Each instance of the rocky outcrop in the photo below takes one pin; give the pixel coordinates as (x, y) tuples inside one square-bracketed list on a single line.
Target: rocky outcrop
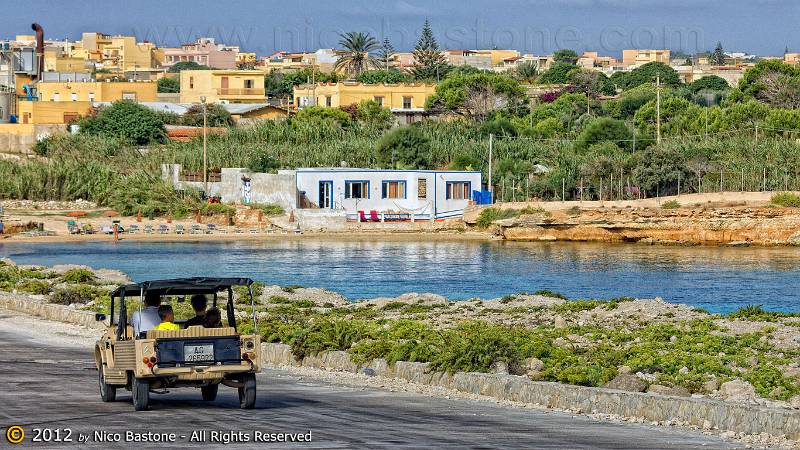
[(627, 382), (741, 226)]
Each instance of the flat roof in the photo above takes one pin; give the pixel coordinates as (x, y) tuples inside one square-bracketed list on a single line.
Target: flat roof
[(356, 169)]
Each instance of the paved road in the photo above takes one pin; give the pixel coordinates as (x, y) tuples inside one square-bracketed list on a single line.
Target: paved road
[(55, 387)]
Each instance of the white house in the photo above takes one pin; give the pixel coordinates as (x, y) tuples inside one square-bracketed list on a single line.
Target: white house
[(372, 194)]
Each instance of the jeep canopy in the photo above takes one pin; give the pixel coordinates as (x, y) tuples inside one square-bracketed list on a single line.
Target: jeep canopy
[(181, 286)]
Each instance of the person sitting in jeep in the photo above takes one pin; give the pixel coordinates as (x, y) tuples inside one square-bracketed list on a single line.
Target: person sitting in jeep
[(213, 318), (199, 304), (147, 319), (167, 318)]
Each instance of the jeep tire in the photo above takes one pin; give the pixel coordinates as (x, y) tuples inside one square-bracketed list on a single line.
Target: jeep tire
[(107, 392), (210, 392), (140, 390), (247, 393)]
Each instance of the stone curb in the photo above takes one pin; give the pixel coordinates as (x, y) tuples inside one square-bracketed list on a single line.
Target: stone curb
[(58, 313), (699, 412)]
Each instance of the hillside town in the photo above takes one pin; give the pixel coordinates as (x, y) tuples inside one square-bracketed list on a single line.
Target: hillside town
[(47, 83)]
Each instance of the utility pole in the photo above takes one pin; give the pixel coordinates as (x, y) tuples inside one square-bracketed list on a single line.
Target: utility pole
[(658, 109), (491, 190), (205, 146), (314, 84)]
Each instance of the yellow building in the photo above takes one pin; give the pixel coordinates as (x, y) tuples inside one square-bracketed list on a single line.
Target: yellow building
[(397, 97), (56, 60), (640, 57), (96, 91), (222, 86), (792, 58), (121, 53), (51, 113), (246, 58)]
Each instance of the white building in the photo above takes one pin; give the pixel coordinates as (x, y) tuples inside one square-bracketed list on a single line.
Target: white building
[(371, 194)]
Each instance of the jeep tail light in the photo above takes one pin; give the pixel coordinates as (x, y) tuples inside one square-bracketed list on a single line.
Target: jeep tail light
[(152, 360), (145, 360), (149, 365), (246, 356)]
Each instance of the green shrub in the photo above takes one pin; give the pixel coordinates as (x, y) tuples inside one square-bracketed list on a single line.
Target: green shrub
[(34, 287), (574, 211), (786, 199), (672, 204), (489, 215), (392, 306), (291, 288), (549, 293), (770, 382), (80, 293), (577, 305), (269, 209), (77, 276)]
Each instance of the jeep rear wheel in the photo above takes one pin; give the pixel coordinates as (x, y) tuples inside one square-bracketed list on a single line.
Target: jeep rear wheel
[(210, 392), (140, 390), (107, 393), (247, 393)]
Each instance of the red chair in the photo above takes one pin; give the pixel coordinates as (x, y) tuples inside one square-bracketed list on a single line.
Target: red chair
[(361, 216), (373, 216)]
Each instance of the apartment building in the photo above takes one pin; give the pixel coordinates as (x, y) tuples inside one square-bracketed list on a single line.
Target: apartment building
[(204, 51), (222, 86), (118, 53), (95, 91), (638, 57), (396, 97)]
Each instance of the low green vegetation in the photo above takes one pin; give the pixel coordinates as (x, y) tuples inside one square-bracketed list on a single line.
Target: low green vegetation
[(78, 275), (671, 204), (786, 199), (684, 353), (269, 209), (79, 294), (757, 312), (549, 293)]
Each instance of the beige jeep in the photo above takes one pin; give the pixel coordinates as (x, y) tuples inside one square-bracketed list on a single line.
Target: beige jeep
[(199, 357)]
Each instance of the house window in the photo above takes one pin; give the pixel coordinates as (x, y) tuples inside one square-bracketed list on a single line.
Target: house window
[(422, 188), (191, 82), (74, 96), (458, 190), (248, 84), (328, 101), (356, 189), (129, 96), (407, 103), (394, 189), (56, 97), (378, 99), (91, 96)]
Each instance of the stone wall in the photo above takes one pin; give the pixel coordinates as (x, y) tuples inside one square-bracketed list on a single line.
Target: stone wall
[(279, 188), (47, 311), (699, 412)]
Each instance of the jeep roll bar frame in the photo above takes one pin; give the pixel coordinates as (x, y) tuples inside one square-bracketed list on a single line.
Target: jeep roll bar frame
[(182, 286)]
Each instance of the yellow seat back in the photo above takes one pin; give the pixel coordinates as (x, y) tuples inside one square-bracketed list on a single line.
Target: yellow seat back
[(195, 331)]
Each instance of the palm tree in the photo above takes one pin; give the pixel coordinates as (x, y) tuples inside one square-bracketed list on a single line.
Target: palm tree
[(355, 59)]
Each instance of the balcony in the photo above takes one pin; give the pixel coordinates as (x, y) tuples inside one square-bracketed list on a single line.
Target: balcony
[(241, 93)]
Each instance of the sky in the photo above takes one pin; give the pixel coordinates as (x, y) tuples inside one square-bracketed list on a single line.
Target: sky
[(764, 27)]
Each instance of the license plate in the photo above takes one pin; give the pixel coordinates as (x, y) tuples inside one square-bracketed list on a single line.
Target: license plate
[(198, 352)]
